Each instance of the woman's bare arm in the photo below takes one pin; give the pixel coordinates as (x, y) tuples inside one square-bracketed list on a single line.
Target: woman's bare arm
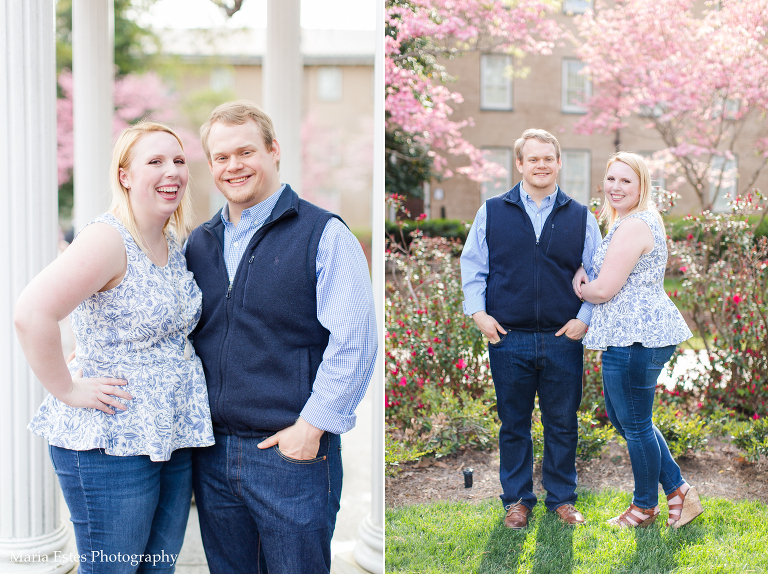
[(632, 239), (96, 260)]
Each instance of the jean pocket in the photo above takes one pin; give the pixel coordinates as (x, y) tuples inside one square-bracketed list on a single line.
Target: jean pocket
[(296, 460), (661, 356), (499, 342)]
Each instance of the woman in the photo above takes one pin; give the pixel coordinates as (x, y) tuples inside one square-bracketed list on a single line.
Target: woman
[(121, 419), (637, 327)]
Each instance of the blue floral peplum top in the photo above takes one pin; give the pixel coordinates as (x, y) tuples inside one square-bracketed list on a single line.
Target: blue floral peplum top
[(641, 312), (137, 331)]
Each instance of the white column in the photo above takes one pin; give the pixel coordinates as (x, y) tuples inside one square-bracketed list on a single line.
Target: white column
[(428, 200), (30, 530), (369, 551), (93, 63), (282, 73)]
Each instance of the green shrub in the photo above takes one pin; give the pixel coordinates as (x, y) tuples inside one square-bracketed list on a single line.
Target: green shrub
[(725, 279), (397, 452), (451, 229), (448, 423), (592, 399), (683, 432), (593, 436), (752, 438)]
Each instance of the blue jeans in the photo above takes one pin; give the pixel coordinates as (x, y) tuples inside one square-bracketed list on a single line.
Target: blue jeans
[(260, 503), (523, 365), (129, 513), (629, 384)]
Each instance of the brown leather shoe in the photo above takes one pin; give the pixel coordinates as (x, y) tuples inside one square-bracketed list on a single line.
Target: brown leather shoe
[(517, 516), (569, 514)]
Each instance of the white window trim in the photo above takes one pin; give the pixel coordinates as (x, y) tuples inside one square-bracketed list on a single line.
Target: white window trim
[(337, 70), (720, 203), (584, 195), (486, 191), (565, 106), (509, 104)]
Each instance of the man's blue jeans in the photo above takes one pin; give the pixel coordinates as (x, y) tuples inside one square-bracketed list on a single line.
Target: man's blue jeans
[(129, 513), (523, 365), (629, 384), (262, 512)]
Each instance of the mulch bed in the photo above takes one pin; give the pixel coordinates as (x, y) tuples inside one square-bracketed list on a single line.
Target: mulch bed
[(718, 471)]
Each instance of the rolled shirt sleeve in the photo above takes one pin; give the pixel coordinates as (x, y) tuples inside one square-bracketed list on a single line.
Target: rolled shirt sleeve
[(345, 307), (475, 265), (592, 240)]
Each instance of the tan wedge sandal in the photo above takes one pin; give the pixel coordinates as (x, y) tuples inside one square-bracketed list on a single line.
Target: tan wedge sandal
[(684, 505), (635, 517)]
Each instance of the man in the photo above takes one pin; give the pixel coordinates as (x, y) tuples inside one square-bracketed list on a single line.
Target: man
[(287, 338), (517, 264)]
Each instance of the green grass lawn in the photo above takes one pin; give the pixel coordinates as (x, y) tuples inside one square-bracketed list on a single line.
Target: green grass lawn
[(461, 537)]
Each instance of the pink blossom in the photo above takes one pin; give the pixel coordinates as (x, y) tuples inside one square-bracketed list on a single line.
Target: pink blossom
[(403, 381), (755, 416), (461, 364), (430, 351), (737, 299)]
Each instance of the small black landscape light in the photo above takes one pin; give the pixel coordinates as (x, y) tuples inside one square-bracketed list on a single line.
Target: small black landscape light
[(467, 478)]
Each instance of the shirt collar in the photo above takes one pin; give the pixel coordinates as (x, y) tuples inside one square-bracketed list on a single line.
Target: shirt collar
[(259, 211), (546, 202)]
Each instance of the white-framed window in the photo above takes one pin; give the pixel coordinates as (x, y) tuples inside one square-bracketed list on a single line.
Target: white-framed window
[(576, 6), (655, 112), (495, 82), (503, 157), (222, 79), (576, 87), (728, 108), (329, 83), (575, 174), (723, 179)]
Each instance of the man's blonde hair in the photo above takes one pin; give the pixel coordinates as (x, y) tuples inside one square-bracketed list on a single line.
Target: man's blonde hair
[(541, 135), (236, 114), (182, 219)]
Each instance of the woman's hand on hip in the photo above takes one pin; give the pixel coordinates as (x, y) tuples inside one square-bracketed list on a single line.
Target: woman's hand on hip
[(96, 393)]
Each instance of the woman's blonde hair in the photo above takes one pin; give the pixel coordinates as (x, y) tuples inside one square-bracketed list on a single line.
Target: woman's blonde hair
[(645, 203), (181, 222)]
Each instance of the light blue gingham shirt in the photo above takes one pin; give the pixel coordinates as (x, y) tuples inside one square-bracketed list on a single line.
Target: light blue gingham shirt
[(475, 260), (344, 307)]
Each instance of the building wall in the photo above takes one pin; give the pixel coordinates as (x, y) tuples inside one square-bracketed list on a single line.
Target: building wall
[(537, 102)]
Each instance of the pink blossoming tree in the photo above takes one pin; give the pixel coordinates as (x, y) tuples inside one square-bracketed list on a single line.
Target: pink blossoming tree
[(420, 33), (136, 96), (697, 78)]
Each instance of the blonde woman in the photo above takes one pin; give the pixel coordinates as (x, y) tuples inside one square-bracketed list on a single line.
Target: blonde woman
[(121, 418), (637, 327)]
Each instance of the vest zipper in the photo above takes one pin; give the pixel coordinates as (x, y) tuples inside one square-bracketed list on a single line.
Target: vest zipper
[(229, 289)]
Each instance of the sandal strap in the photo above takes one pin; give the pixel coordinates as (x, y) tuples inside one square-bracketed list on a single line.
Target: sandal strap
[(634, 515)]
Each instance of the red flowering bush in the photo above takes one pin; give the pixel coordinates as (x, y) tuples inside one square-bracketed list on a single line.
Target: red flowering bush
[(725, 272), (436, 359)]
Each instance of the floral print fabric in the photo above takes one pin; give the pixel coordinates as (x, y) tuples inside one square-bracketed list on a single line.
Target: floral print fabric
[(137, 331), (641, 312)]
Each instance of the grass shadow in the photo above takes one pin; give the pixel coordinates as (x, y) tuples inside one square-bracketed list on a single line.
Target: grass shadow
[(504, 548), (657, 548), (554, 546)]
